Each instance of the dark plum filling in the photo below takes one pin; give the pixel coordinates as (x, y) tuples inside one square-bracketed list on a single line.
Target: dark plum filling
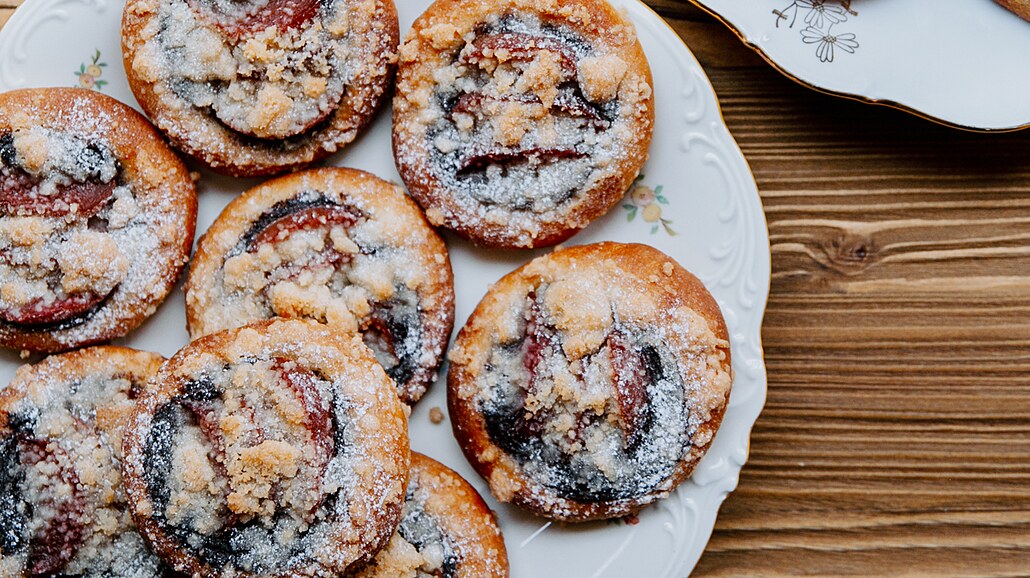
[(282, 212), (236, 18), (85, 189), (8, 154), (19, 196), (72, 311), (278, 73), (394, 333), (157, 454), (57, 539), (14, 510), (62, 511), (314, 217), (393, 329), (249, 542), (423, 531), (643, 441), (535, 171)]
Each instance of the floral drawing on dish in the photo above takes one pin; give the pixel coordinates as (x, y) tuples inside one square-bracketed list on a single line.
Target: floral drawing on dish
[(648, 202), (821, 16), (89, 74)]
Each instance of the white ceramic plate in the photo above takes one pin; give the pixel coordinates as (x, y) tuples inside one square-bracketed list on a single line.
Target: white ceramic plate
[(964, 63), (706, 213)]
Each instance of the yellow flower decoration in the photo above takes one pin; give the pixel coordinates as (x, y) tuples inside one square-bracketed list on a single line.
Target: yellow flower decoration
[(648, 202), (89, 74)]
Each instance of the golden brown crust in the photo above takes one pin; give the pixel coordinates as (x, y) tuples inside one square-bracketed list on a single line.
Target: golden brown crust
[(49, 377), (646, 290), (389, 255), (361, 399), (75, 405), (1020, 7), (162, 189), (467, 525), (66, 368), (199, 135), (437, 37)]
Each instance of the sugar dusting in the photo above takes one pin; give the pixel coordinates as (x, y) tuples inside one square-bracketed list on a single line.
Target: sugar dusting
[(511, 121), (553, 385), (517, 143), (57, 158), (278, 461), (387, 274), (272, 84), (76, 402), (127, 251), (258, 101), (445, 531), (581, 451), (247, 459), (418, 549)]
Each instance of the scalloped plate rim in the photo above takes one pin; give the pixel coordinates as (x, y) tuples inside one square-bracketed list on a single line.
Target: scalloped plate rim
[(719, 471), (808, 82)]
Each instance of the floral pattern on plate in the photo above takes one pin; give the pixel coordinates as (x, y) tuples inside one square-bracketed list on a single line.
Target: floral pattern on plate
[(721, 237), (648, 202), (89, 74), (821, 16)]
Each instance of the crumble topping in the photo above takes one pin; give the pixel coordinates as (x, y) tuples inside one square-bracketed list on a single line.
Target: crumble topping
[(445, 530), (274, 82), (60, 469), (70, 230), (592, 392), (305, 446), (366, 262), (521, 121)]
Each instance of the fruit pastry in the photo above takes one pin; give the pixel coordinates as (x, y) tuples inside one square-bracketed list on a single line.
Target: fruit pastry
[(63, 510), (447, 531), (278, 449), (339, 246), (256, 87), (518, 122), (590, 382), (97, 217)]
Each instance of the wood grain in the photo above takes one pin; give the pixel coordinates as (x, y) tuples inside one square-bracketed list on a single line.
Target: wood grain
[(896, 438), (6, 9)]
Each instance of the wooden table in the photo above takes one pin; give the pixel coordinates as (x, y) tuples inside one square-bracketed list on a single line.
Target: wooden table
[(896, 438)]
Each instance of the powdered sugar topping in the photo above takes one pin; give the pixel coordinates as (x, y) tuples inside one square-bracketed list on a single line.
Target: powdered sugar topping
[(63, 507)]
